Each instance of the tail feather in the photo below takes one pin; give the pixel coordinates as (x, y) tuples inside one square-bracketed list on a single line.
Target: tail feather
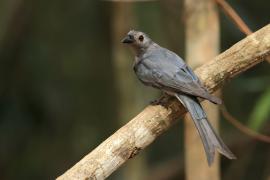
[(211, 141)]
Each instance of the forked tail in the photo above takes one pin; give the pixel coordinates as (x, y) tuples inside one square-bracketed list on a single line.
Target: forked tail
[(211, 141)]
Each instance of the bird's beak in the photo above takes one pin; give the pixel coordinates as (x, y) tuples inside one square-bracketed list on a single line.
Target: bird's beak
[(128, 39)]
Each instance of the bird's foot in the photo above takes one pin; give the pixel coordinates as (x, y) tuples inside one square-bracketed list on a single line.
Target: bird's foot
[(160, 101), (155, 102)]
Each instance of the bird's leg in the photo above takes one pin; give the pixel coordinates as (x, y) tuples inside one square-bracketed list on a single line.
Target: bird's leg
[(161, 100), (156, 101)]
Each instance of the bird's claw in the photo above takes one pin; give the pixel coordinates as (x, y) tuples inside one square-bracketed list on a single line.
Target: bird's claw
[(155, 102), (160, 101)]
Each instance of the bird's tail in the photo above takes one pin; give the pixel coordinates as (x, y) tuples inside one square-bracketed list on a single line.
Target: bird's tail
[(211, 141)]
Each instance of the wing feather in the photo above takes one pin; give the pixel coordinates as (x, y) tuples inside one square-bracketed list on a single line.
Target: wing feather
[(168, 71)]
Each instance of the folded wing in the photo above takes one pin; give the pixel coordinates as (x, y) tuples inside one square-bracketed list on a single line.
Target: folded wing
[(170, 73)]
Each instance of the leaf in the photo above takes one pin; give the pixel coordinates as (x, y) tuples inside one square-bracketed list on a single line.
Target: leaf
[(261, 111)]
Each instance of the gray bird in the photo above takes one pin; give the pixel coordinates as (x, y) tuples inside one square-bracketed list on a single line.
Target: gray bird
[(162, 69)]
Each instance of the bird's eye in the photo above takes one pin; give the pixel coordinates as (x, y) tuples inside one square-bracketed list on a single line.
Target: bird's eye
[(141, 38)]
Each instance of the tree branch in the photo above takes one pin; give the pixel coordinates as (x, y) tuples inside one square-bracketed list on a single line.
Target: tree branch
[(234, 16), (238, 21), (153, 121), (250, 132)]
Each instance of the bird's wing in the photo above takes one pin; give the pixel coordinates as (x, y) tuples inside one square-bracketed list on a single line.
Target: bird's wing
[(171, 73)]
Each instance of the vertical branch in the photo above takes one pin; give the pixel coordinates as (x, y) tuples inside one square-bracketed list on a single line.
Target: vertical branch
[(202, 44), (127, 87)]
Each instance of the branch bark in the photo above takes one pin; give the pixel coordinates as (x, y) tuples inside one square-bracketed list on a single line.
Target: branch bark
[(153, 121)]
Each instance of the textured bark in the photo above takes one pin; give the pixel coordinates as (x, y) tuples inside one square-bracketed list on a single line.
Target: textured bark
[(202, 44), (142, 130)]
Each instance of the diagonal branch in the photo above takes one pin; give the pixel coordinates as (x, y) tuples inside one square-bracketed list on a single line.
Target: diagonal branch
[(234, 16), (153, 121), (238, 21), (243, 128)]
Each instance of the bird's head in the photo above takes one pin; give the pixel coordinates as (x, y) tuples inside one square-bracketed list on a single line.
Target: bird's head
[(139, 41)]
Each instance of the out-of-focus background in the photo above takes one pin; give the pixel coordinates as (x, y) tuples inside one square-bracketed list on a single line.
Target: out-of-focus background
[(66, 83)]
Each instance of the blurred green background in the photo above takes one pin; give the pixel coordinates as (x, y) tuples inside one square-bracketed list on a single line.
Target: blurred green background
[(60, 95)]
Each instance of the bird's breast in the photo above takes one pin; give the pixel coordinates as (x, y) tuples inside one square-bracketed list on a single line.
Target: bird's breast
[(141, 71)]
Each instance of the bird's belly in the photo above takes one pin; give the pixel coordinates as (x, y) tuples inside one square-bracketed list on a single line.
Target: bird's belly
[(144, 75)]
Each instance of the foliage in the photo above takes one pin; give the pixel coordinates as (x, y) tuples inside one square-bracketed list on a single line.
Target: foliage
[(261, 111)]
